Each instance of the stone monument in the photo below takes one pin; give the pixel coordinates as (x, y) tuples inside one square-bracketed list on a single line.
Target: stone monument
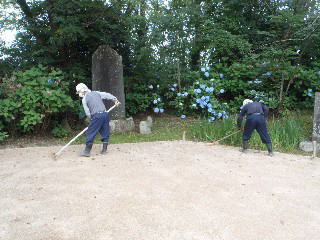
[(107, 76), (316, 119), (316, 124), (314, 146)]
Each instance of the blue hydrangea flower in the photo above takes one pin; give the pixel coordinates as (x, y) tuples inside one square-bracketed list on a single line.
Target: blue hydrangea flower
[(206, 74), (221, 75), (158, 86), (264, 64), (203, 98), (203, 69), (223, 112), (213, 118), (156, 110), (155, 101), (209, 110), (221, 90), (310, 94), (151, 87), (261, 101), (50, 81), (159, 99), (198, 100), (207, 98), (257, 81), (179, 94), (209, 105), (183, 116), (199, 90), (172, 89), (202, 86), (185, 94), (219, 115), (174, 85), (226, 117), (309, 90), (161, 110)]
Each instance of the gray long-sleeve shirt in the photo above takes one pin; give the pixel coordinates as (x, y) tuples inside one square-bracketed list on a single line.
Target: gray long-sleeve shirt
[(250, 108), (92, 102)]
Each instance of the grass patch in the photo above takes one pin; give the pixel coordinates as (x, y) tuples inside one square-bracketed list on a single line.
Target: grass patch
[(286, 132), (164, 129)]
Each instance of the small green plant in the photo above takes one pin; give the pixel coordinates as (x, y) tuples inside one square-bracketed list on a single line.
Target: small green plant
[(3, 136), (59, 132)]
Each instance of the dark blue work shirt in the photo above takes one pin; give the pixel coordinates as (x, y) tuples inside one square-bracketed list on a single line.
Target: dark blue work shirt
[(252, 108)]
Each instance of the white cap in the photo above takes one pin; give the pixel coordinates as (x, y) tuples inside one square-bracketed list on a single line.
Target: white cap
[(246, 101), (81, 87)]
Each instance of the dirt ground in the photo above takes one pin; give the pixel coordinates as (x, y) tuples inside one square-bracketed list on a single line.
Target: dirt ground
[(160, 190)]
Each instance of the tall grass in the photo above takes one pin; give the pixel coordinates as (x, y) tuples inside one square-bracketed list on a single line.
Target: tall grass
[(286, 133)]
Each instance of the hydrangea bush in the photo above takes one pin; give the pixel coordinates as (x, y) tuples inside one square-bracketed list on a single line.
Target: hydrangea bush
[(218, 91)]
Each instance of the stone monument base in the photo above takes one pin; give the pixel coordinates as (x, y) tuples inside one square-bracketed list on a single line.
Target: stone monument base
[(308, 146), (121, 125)]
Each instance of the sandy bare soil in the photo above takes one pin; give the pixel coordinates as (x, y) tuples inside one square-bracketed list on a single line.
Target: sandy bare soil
[(160, 190)]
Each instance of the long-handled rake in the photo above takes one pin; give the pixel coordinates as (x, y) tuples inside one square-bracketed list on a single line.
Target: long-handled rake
[(231, 134), (57, 154)]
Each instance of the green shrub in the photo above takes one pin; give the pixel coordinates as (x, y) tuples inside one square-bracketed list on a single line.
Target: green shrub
[(3, 136), (33, 98), (59, 132)]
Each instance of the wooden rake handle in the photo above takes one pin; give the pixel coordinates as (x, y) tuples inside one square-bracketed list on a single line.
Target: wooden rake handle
[(231, 134)]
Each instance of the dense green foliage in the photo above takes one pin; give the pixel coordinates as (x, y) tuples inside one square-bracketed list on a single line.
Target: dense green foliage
[(264, 50), (32, 99)]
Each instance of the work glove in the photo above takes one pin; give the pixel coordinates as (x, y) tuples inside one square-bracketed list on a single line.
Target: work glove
[(240, 128), (116, 102), (87, 120)]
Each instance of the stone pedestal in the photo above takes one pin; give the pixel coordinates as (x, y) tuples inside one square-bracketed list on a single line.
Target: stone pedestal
[(121, 125)]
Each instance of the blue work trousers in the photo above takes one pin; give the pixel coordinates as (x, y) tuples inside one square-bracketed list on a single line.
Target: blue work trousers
[(257, 122), (99, 122)]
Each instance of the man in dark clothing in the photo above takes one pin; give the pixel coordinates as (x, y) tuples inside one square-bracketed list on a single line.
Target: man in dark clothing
[(99, 118), (256, 119)]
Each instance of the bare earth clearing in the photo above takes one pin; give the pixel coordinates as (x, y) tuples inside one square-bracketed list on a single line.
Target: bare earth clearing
[(158, 190)]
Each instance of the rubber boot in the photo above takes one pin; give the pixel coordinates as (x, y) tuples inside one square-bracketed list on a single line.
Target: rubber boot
[(245, 146), (269, 147), (104, 148), (87, 150)]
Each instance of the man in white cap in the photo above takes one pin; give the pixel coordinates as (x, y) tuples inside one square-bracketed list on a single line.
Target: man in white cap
[(256, 119), (99, 118)]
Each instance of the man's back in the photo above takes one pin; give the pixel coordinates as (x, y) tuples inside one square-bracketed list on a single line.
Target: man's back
[(94, 102)]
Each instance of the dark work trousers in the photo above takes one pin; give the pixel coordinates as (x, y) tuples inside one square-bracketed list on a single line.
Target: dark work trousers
[(99, 122), (257, 122)]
